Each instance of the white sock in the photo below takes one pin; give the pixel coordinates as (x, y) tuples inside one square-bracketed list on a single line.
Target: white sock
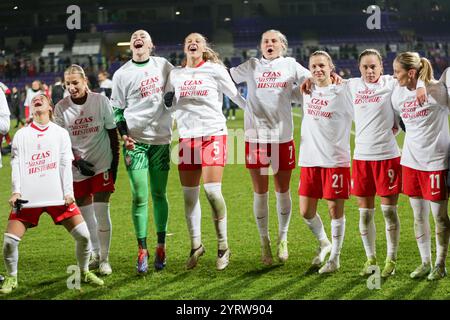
[(284, 209), (337, 238), (193, 214), (219, 208), (442, 229), (104, 228), (88, 214), (316, 226), (367, 231), (11, 253), (392, 230), (422, 227), (81, 235), (261, 212)]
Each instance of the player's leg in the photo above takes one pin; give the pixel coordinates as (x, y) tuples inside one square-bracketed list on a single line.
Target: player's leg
[(421, 209), (388, 176), (104, 229), (282, 181), (84, 201), (336, 211), (392, 222), (363, 186), (308, 210), (78, 229), (136, 162), (310, 191), (159, 165), (367, 231), (139, 213), (336, 186), (212, 182), (257, 161), (14, 233), (214, 155), (283, 162), (260, 184), (190, 182), (190, 172), (442, 231), (437, 195)]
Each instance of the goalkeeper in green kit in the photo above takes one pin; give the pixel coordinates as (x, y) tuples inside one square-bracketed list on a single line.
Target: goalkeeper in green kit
[(146, 128)]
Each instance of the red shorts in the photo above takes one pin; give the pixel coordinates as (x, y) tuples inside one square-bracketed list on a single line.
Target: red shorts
[(327, 183), (195, 153), (261, 155), (429, 185), (102, 182), (58, 214), (383, 177)]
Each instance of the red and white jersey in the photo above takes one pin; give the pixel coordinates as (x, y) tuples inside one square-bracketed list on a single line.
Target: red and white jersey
[(87, 125), (374, 118), (198, 99), (41, 161), (268, 113), (326, 126), (139, 90), (427, 138)]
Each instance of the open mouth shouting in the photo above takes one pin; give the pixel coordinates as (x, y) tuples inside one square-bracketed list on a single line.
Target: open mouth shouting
[(270, 50), (138, 43), (37, 103), (192, 48)]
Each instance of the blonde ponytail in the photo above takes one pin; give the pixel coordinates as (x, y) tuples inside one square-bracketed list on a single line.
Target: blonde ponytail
[(412, 60), (426, 70)]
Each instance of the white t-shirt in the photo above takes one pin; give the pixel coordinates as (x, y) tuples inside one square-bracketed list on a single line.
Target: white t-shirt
[(326, 125), (374, 118), (445, 78), (87, 125), (268, 113), (4, 119), (427, 135), (105, 84), (41, 161), (4, 114), (198, 99), (139, 89)]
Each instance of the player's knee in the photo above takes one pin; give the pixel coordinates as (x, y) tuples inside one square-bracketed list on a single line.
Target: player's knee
[(140, 200), (10, 243), (365, 217), (81, 233), (159, 196), (191, 195), (442, 222), (213, 191)]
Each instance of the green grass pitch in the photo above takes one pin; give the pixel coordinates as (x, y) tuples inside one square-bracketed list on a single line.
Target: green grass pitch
[(47, 251)]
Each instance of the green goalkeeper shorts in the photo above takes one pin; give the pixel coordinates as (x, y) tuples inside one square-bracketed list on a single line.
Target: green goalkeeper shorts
[(147, 156)]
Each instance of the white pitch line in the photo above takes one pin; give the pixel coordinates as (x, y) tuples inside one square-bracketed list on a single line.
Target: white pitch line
[(298, 115)]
